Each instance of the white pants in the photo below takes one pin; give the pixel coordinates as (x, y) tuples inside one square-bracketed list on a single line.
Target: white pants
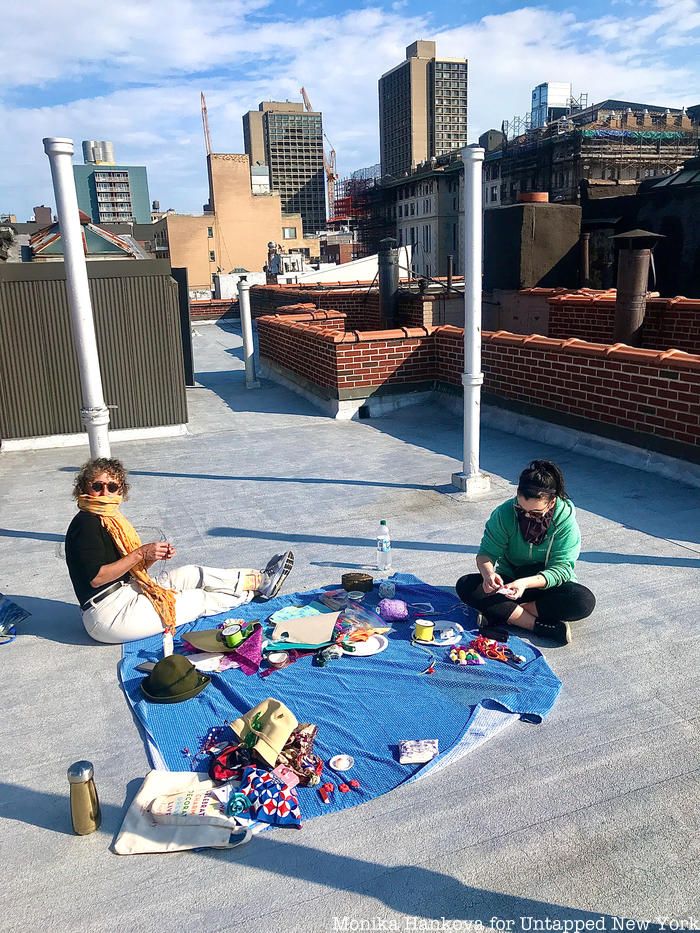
[(127, 614)]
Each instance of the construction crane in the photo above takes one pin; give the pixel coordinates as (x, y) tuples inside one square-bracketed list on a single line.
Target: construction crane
[(205, 123), (328, 161)]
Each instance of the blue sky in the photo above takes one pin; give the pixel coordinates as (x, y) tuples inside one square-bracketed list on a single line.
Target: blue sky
[(132, 73)]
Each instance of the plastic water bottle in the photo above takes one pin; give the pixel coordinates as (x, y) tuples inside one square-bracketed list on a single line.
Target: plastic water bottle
[(383, 547)]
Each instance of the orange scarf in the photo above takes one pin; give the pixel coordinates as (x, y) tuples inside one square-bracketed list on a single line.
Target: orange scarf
[(126, 540)]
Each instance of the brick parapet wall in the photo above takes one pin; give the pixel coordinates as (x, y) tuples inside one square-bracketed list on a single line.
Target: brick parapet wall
[(361, 304), (669, 322), (648, 392), (214, 310)]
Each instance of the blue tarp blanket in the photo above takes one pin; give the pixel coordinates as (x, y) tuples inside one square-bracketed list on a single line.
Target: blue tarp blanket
[(362, 706)]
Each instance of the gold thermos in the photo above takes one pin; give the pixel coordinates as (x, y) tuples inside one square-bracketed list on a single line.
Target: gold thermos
[(84, 805)]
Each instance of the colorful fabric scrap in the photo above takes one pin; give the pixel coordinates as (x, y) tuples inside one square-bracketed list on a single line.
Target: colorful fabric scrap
[(270, 801)]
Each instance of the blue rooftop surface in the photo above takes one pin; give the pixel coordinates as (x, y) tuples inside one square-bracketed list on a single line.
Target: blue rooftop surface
[(591, 816)]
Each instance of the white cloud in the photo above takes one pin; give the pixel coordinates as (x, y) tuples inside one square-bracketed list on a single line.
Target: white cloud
[(243, 51)]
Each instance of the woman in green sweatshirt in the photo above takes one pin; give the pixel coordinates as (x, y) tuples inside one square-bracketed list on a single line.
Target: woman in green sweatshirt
[(526, 562)]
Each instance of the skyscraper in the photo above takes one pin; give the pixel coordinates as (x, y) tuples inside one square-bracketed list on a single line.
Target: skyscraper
[(289, 140), (422, 108), (111, 193)]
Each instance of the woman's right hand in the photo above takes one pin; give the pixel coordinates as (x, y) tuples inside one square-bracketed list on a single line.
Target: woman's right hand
[(156, 550), (491, 582)]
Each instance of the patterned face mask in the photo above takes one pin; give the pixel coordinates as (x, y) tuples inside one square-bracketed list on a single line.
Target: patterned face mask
[(534, 527)]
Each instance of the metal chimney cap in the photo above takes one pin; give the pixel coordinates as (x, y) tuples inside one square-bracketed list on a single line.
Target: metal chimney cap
[(58, 144), (80, 772), (638, 235)]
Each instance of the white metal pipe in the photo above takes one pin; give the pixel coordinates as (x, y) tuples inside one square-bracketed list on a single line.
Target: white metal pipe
[(471, 479), (94, 413), (247, 330)]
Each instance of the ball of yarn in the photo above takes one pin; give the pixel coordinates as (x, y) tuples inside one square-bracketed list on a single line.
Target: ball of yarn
[(393, 610)]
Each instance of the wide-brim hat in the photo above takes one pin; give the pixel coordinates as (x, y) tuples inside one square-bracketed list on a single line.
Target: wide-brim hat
[(275, 724), (172, 680)]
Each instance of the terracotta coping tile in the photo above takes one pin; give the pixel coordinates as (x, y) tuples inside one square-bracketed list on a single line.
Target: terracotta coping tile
[(504, 336), (538, 340)]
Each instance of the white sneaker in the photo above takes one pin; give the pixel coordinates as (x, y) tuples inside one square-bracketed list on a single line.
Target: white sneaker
[(274, 575)]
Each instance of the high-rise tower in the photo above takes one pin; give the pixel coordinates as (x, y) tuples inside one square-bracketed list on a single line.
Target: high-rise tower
[(422, 108), (289, 140)]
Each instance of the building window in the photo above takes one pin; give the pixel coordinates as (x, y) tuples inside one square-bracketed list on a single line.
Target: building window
[(210, 232), (212, 256), (289, 233)]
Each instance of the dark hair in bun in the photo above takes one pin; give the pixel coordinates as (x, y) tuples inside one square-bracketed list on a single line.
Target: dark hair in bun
[(542, 478)]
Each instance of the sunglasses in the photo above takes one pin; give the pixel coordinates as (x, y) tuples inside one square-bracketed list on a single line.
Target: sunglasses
[(110, 487), (532, 513)]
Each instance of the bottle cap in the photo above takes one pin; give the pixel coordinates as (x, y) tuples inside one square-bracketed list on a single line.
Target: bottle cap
[(382, 521), (80, 772)]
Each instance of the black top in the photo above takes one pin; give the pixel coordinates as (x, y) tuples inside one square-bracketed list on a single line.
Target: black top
[(89, 547)]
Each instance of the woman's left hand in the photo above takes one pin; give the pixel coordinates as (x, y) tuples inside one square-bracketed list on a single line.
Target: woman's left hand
[(515, 589)]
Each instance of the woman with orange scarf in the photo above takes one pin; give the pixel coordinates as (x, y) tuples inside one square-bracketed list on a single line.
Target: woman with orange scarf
[(108, 566)]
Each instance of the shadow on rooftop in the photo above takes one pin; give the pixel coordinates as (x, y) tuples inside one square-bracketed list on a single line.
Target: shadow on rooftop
[(31, 535), (409, 890), (294, 480), (53, 620), (298, 538), (229, 385), (649, 560), (635, 499)]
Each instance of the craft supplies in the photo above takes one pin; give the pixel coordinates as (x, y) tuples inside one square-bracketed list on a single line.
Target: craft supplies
[(466, 656), (387, 589), (489, 648), (85, 814), (424, 630), (286, 775), (341, 762), (232, 634), (393, 610), (334, 599), (417, 751), (355, 785), (357, 581), (374, 644), (331, 653), (343, 788), (168, 644), (278, 659), (356, 596)]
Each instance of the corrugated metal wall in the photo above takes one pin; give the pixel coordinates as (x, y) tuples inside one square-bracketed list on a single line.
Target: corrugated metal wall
[(138, 335)]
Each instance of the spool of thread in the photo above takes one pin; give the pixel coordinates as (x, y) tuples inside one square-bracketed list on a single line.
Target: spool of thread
[(424, 630), (232, 635), (277, 659)]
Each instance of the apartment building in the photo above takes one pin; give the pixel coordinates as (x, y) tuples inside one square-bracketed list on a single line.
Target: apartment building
[(423, 108), (289, 141), (234, 233), (111, 193)]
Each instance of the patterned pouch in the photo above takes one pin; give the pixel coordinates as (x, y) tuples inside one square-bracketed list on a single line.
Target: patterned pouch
[(270, 801)]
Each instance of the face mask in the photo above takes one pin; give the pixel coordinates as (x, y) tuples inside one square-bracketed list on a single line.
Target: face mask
[(534, 528)]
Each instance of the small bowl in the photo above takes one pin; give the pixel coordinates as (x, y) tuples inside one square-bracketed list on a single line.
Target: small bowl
[(356, 595), (341, 762)]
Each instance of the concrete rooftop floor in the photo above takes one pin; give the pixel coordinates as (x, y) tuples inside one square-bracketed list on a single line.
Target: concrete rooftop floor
[(591, 816)]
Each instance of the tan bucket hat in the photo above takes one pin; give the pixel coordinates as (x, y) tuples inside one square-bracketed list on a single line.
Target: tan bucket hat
[(272, 723)]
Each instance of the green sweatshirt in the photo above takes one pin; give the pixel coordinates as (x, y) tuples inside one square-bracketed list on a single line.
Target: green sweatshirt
[(505, 546)]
